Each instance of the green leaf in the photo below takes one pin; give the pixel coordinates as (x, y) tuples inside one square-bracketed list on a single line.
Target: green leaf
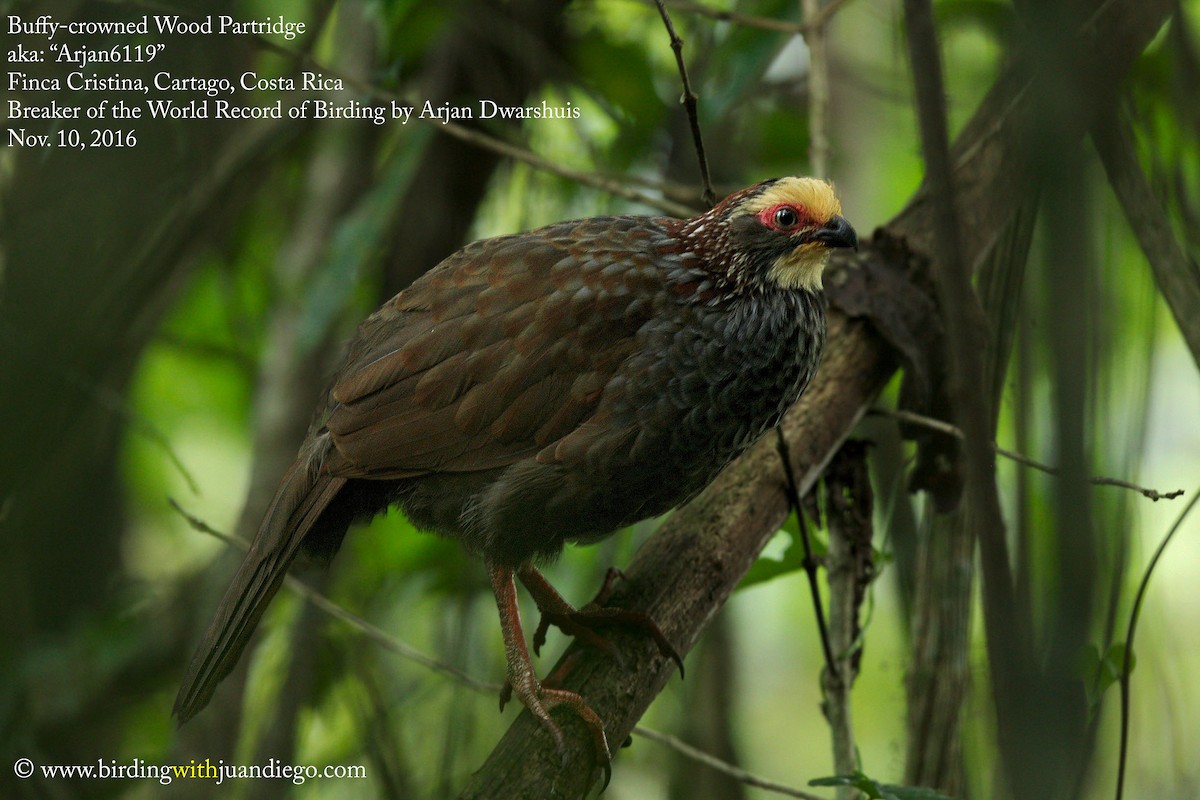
[(1099, 674), (792, 559), (913, 793), (857, 780), (1116, 658)]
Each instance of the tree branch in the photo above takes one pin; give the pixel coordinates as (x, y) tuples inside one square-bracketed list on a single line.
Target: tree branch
[(850, 569)]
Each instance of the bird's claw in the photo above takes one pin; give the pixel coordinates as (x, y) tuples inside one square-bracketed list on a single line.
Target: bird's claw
[(552, 681), (541, 700), (582, 623)]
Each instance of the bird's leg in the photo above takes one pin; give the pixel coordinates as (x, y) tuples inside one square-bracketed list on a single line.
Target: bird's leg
[(583, 622), (524, 683)]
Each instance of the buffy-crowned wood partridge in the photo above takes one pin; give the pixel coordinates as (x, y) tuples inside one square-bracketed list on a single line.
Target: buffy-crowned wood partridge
[(552, 386)]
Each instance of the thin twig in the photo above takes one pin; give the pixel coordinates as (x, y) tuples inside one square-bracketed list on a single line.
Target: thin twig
[(736, 17), (331, 608), (751, 21), (689, 101), (1150, 493), (724, 767), (950, 430), (488, 142), (818, 90), (810, 563), (595, 180), (1126, 661), (388, 642)]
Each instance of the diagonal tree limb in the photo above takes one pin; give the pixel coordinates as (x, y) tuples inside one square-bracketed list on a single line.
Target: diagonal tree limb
[(1177, 275), (683, 574), (992, 153)]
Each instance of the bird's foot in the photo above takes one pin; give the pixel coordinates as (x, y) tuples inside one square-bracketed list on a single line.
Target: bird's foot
[(552, 681), (538, 697), (541, 699), (582, 623)]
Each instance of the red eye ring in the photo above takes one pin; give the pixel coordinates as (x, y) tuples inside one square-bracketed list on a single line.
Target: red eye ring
[(781, 217)]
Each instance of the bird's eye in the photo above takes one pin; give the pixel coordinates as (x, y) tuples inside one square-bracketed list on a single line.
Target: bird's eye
[(786, 217)]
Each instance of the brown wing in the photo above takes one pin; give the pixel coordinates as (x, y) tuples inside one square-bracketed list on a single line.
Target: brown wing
[(500, 352)]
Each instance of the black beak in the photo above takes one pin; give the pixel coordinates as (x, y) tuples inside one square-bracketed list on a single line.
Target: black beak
[(837, 233)]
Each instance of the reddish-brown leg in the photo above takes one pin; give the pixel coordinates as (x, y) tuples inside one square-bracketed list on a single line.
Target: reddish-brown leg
[(582, 623), (524, 683)]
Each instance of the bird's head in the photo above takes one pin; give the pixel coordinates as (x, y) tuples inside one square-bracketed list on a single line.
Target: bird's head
[(776, 233)]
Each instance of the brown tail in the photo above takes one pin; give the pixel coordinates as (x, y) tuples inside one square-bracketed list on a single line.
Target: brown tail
[(298, 505)]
